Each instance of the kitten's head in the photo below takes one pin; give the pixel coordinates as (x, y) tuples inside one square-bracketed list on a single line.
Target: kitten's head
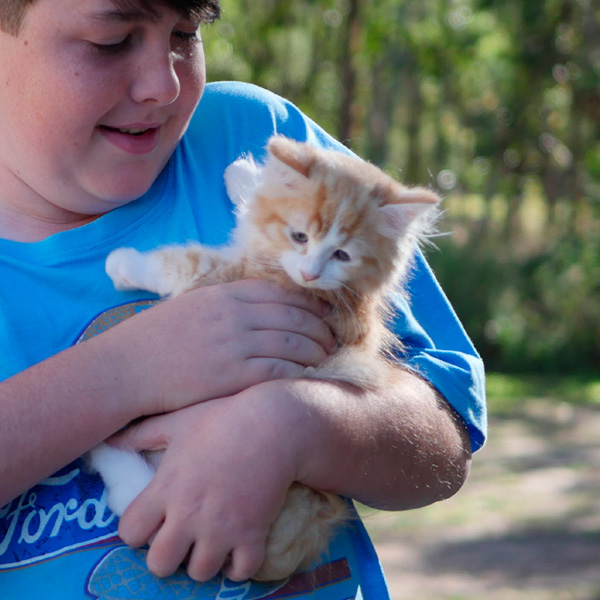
[(333, 221)]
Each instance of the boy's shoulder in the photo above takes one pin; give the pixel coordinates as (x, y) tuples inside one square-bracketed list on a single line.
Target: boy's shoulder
[(237, 109), (243, 102), (238, 93), (242, 116)]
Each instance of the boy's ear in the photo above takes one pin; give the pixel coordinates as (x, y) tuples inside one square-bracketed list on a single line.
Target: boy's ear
[(291, 154), (406, 207)]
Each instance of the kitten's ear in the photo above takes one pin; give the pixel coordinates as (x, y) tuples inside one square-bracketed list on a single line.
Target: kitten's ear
[(408, 207), (295, 155)]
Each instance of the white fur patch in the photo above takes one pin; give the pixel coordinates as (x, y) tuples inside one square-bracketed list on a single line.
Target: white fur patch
[(125, 474), (242, 177)]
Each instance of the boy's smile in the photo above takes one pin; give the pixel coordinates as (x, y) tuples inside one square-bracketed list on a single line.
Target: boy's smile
[(93, 102), (134, 139)]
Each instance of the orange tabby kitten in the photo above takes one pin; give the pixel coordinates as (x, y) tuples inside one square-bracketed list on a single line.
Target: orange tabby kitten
[(322, 220)]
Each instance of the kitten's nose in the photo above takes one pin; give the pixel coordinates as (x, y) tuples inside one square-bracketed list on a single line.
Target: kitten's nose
[(309, 276)]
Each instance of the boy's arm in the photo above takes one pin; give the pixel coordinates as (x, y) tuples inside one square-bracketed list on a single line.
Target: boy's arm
[(56, 410), (396, 449), (207, 343)]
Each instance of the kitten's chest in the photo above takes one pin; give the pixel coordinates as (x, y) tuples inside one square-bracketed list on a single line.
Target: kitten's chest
[(350, 320)]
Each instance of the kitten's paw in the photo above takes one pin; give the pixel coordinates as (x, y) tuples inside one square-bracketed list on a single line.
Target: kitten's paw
[(122, 266), (125, 474)]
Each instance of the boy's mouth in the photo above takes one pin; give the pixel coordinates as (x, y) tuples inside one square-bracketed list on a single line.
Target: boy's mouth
[(133, 140), (133, 131), (130, 130)]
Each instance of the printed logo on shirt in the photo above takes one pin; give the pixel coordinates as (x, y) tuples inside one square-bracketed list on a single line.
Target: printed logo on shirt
[(53, 518), (113, 316), (123, 574), (69, 510)]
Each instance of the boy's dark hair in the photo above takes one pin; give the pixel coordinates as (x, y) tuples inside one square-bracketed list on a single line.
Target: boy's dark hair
[(12, 12)]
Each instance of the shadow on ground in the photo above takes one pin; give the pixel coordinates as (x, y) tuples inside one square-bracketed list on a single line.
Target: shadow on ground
[(526, 525)]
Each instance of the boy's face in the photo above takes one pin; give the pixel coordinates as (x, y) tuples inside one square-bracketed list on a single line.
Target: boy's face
[(92, 103)]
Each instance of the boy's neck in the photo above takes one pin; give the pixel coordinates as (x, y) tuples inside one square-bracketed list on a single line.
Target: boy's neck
[(25, 228)]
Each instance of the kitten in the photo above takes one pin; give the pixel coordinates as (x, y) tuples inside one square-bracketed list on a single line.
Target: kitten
[(330, 223)]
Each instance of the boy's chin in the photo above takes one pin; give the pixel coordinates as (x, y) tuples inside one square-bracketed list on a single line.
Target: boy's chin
[(121, 193)]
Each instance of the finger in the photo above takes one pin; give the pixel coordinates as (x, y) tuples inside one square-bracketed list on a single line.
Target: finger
[(148, 434), (205, 561), (168, 550), (245, 562), (287, 346), (262, 290), (140, 522), (283, 317)]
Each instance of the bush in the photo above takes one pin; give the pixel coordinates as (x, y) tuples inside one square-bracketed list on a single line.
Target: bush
[(537, 313)]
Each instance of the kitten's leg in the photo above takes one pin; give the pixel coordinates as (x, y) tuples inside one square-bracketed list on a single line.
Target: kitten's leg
[(168, 271), (301, 532), (356, 366), (129, 269), (125, 474)]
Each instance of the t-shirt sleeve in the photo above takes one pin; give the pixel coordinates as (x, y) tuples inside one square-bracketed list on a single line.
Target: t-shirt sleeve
[(436, 346), (241, 117)]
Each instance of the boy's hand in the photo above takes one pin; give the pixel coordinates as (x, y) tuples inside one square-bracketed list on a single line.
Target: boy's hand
[(227, 467), (217, 341)]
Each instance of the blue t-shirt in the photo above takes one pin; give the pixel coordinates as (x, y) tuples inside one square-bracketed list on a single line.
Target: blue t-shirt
[(58, 541)]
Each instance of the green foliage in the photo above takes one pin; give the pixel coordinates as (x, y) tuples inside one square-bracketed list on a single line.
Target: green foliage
[(527, 308), (494, 103), (512, 395)]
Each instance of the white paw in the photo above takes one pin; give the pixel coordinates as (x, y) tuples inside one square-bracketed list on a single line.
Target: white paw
[(122, 265), (125, 474)]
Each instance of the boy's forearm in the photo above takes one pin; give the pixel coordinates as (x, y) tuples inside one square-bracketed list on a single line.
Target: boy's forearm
[(398, 449), (55, 411)]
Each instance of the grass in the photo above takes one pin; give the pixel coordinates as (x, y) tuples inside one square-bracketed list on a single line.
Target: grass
[(509, 395)]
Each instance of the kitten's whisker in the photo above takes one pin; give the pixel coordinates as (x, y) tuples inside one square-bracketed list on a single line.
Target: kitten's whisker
[(350, 290)]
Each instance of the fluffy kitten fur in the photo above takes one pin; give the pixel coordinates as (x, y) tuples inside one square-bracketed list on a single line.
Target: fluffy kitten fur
[(330, 223)]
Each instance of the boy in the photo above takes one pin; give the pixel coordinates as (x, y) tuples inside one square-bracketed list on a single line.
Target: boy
[(110, 138)]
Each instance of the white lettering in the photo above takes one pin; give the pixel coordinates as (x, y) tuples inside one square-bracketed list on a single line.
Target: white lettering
[(61, 480), (36, 521), (13, 519), (44, 518)]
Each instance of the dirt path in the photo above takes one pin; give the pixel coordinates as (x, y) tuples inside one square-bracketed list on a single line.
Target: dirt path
[(526, 526)]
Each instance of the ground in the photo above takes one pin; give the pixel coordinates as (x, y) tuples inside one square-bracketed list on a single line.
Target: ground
[(526, 525)]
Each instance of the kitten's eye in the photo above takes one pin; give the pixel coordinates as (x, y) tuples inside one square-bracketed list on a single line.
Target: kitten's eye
[(300, 237), (341, 255)]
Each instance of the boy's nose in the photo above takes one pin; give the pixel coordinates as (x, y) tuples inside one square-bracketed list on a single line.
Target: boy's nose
[(156, 80)]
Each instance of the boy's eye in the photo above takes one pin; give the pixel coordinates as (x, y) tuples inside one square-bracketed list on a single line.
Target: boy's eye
[(341, 255), (300, 237), (115, 48), (182, 37), (186, 36)]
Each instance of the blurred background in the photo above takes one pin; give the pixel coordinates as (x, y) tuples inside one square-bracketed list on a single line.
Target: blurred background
[(496, 104)]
